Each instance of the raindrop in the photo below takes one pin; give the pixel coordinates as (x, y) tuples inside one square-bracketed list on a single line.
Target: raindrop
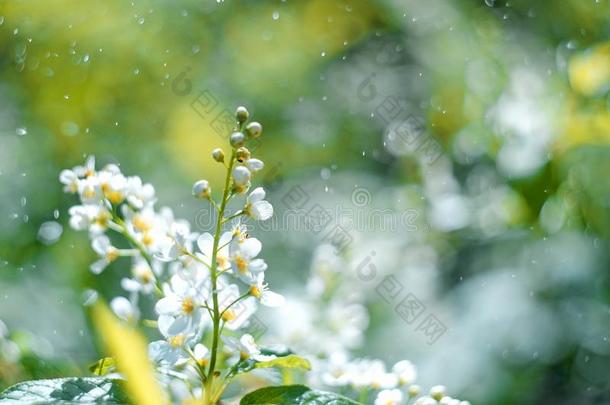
[(23, 201), (490, 3), (56, 214), (323, 54), (89, 297), (86, 58), (141, 20), (276, 15), (69, 128), (21, 131)]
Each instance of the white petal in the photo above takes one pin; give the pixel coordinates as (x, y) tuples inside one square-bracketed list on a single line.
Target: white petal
[(180, 325), (163, 323), (67, 176), (122, 308), (167, 306), (250, 247), (271, 299), (100, 244), (200, 351), (98, 266), (157, 350), (248, 344), (256, 195), (206, 244), (262, 210), (130, 285), (257, 266)]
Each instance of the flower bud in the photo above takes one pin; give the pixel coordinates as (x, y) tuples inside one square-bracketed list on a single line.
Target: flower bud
[(218, 155), (241, 176), (201, 189), (242, 154), (254, 129), (237, 139), (241, 113)]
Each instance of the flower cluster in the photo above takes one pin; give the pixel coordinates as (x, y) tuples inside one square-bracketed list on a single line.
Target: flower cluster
[(203, 284), (329, 324)]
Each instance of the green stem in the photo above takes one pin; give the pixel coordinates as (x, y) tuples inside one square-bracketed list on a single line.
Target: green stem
[(208, 399)]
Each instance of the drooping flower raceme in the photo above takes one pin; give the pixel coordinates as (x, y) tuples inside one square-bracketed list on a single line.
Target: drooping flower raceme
[(203, 285)]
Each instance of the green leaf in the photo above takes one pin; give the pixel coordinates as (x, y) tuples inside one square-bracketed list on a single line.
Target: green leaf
[(65, 390), (289, 361), (103, 366), (294, 395)]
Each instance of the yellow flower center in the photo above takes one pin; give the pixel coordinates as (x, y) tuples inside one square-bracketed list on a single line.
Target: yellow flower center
[(102, 219), (188, 306), (140, 223), (242, 264), (147, 240), (255, 291), (114, 197), (229, 315), (203, 362), (89, 192), (222, 261), (112, 254), (176, 341)]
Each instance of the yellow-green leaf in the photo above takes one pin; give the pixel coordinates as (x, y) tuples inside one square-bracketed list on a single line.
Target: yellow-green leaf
[(129, 350)]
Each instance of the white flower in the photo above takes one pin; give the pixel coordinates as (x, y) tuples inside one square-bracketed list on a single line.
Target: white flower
[(89, 217), (112, 184), (257, 207), (389, 397), (205, 242), (170, 351), (89, 190), (124, 309), (183, 303), (380, 378), (143, 278), (258, 289), (70, 180), (241, 176), (243, 258), (107, 253), (336, 373), (405, 371), (247, 348), (234, 314), (255, 165)]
